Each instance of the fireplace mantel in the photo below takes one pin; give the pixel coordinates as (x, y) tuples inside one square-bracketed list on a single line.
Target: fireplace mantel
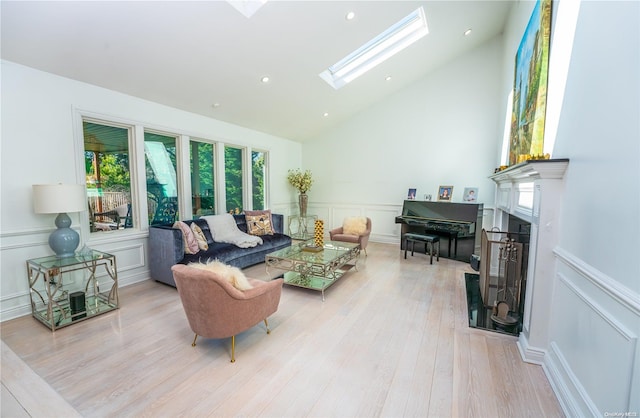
[(533, 191), (531, 170), (516, 193)]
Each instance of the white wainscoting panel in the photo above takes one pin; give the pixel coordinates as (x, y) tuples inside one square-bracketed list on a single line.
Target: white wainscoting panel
[(593, 348), (129, 247)]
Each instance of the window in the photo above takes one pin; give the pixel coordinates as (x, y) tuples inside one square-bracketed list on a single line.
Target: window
[(258, 175), (162, 186), (222, 178), (108, 176), (233, 174), (201, 161)]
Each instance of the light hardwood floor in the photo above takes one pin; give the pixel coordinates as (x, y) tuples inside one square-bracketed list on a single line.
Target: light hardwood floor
[(390, 340)]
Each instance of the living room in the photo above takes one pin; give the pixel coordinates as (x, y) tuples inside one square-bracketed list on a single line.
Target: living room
[(446, 128)]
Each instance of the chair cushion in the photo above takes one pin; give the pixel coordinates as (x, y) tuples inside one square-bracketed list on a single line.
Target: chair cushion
[(259, 222), (231, 274), (355, 225), (190, 242), (345, 238)]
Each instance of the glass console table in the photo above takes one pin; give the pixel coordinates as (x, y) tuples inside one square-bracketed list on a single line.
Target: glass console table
[(302, 227), (70, 289)]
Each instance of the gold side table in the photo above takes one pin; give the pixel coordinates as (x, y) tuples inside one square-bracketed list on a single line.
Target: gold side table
[(67, 290)]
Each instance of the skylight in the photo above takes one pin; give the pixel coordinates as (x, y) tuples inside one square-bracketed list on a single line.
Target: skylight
[(382, 47), (247, 7)]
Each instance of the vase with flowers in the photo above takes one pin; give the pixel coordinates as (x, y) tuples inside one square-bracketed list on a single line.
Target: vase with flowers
[(302, 181)]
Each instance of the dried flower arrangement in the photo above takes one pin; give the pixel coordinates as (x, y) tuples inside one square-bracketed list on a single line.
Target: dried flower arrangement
[(299, 180)]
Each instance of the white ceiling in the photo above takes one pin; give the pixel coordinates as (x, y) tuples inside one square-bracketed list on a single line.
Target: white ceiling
[(192, 54)]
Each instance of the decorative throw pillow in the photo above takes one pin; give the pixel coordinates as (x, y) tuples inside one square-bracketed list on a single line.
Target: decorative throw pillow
[(356, 225), (190, 242), (200, 238), (231, 274), (259, 222)]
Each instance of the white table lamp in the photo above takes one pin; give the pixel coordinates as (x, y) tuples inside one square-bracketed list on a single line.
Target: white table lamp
[(60, 199)]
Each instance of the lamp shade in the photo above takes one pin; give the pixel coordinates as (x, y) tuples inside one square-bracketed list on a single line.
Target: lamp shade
[(59, 198)]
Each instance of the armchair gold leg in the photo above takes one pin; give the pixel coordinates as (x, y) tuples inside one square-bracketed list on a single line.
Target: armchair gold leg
[(193, 344), (233, 348), (266, 324)]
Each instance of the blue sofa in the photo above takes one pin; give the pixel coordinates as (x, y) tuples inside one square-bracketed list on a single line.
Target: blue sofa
[(166, 248)]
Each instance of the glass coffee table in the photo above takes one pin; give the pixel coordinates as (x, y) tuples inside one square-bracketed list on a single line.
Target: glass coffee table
[(316, 270)]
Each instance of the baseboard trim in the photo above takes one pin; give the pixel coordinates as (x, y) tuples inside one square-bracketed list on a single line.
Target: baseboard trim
[(528, 353)]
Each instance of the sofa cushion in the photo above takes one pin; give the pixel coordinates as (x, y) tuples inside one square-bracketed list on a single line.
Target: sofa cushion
[(355, 225), (190, 242), (259, 222), (231, 274), (202, 240)]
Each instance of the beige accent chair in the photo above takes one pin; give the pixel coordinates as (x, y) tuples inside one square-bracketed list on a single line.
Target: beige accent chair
[(338, 234), (216, 309)]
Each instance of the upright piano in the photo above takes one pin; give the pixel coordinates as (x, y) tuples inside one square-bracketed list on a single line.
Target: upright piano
[(455, 221)]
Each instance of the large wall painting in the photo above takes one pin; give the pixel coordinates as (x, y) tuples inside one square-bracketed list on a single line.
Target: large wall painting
[(530, 87)]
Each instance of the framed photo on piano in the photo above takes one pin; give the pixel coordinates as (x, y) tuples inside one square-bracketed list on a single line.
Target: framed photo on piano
[(411, 195), (470, 194), (444, 193)]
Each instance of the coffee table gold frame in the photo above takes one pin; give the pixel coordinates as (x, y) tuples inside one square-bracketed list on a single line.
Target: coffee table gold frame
[(314, 270)]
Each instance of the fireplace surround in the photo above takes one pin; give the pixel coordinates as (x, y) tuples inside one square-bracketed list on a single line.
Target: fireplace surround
[(531, 191)]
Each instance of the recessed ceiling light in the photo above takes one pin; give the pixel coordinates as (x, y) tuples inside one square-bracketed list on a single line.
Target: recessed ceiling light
[(350, 16), (215, 105), (387, 78), (325, 114), (467, 32), (265, 79)]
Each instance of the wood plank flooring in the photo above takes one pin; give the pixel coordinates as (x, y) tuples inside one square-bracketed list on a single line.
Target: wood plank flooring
[(391, 340)]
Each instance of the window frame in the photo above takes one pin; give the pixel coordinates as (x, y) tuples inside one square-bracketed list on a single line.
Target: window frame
[(266, 176), (79, 117), (137, 167), (178, 138), (216, 174)]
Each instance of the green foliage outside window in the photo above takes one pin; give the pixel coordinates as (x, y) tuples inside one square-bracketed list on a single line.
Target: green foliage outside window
[(233, 178), (258, 172), (202, 178)]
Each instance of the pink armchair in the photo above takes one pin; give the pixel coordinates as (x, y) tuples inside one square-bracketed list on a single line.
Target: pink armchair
[(338, 234), (216, 309)]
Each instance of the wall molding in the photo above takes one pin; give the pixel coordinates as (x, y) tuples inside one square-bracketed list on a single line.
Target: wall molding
[(595, 307), (560, 375), (29, 231), (617, 291), (131, 262), (574, 398)]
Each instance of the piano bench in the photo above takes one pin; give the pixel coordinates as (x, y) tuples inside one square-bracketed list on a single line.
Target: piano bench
[(429, 242)]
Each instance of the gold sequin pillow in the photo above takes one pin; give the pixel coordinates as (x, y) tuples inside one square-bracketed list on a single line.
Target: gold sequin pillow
[(259, 222), (202, 240)]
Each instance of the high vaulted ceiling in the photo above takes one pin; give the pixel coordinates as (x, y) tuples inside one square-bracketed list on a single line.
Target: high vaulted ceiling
[(192, 55)]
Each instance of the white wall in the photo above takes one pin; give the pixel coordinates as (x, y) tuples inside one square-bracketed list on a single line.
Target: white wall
[(592, 356), (442, 130), (38, 147)]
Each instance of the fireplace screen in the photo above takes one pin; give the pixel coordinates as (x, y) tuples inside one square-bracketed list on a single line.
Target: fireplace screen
[(501, 273)]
